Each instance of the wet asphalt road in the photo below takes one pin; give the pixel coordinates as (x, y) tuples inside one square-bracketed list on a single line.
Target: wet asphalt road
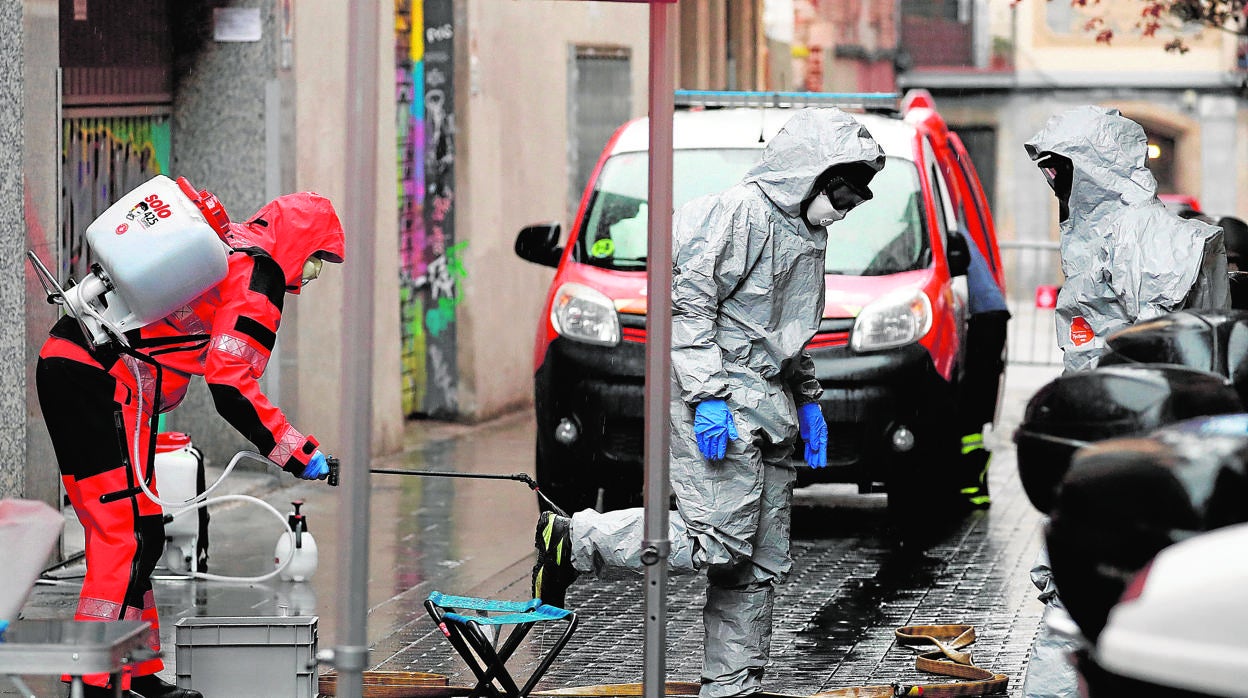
[(854, 580)]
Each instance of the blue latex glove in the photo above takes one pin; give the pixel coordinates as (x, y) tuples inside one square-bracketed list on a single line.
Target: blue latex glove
[(317, 468), (815, 433), (713, 426)]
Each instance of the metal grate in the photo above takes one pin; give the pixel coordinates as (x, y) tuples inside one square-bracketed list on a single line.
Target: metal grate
[(622, 439), (117, 52), (599, 101)]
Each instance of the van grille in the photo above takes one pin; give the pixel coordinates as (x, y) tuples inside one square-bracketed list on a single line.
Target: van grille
[(622, 439), (845, 443), (632, 330)]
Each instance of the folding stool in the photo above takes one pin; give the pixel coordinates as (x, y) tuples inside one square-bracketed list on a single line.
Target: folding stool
[(477, 647)]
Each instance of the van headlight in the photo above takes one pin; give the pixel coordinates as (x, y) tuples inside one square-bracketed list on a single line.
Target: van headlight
[(895, 319), (586, 315)]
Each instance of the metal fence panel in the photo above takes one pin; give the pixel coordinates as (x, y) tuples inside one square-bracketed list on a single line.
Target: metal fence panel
[(1033, 273)]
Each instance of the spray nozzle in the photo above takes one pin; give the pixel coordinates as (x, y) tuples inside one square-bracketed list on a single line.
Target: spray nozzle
[(333, 470)]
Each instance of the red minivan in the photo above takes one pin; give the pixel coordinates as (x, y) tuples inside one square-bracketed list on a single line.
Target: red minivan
[(888, 352)]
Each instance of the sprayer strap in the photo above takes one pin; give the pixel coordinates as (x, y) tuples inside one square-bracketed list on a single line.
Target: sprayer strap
[(120, 494), (150, 342)]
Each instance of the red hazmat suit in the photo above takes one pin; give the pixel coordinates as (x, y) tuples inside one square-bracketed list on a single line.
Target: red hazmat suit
[(225, 335)]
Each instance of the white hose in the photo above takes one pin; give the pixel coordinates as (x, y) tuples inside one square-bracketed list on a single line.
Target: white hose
[(201, 500), (247, 498)]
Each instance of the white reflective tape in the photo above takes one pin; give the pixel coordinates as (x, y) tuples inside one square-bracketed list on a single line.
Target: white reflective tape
[(237, 347), (286, 446), (99, 608)]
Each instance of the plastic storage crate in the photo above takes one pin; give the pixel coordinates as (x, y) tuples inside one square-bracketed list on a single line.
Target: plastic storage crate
[(254, 657)]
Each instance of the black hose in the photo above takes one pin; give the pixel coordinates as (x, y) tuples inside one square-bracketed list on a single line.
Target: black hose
[(522, 477), (69, 560)]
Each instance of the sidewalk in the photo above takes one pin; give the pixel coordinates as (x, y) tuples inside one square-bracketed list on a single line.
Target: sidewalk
[(834, 617)]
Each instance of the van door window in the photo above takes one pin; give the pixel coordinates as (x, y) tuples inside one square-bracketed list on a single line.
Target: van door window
[(946, 217), (972, 181)]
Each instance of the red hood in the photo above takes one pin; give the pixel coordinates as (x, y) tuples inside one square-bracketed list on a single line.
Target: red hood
[(291, 229)]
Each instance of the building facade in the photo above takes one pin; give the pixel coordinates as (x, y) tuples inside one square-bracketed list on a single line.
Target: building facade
[(491, 116), (110, 93)]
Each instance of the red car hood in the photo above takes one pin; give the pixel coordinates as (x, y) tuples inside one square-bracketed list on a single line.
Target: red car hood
[(846, 295)]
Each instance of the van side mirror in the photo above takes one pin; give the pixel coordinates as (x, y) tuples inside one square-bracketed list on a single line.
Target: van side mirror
[(958, 254), (539, 244)]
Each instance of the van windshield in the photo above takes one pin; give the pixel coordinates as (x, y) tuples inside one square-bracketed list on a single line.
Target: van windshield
[(885, 235), (615, 233)]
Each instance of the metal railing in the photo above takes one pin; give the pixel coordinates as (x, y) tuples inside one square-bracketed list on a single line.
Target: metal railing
[(1033, 273), (889, 101)]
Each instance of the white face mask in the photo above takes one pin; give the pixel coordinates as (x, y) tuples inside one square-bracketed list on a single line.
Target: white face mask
[(311, 269), (821, 213)]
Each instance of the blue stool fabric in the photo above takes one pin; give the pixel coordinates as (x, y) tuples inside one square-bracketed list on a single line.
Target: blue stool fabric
[(515, 611), (477, 648)]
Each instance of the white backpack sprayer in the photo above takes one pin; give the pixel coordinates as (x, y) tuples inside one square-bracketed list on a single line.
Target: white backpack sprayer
[(156, 249)]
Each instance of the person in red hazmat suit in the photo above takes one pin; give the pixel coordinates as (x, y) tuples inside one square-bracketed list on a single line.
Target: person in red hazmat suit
[(225, 335)]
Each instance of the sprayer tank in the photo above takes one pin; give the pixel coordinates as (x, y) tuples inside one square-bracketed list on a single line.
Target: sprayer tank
[(158, 251)]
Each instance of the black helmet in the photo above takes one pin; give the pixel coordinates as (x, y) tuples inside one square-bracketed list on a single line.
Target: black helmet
[(1235, 231)]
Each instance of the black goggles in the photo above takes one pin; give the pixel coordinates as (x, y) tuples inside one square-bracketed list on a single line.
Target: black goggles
[(837, 184), (1052, 167)]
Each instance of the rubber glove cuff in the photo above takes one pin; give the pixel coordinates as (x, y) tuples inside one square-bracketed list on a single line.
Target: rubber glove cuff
[(814, 430), (317, 468), (713, 426)]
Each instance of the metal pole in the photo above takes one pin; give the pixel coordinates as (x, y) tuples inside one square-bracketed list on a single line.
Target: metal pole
[(657, 545), (351, 654)]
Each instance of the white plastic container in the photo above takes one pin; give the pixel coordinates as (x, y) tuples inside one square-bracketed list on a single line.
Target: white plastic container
[(158, 251), (299, 547), (178, 466), (28, 533), (177, 478)]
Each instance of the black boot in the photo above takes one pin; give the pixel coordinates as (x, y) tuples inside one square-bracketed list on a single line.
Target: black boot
[(152, 686), (553, 572)]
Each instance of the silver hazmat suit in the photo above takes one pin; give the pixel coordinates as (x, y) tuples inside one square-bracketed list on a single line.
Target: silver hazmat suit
[(1125, 257), (747, 294), (1051, 667)]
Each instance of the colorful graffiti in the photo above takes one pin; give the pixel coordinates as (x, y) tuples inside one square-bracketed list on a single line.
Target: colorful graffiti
[(431, 268), (101, 159)]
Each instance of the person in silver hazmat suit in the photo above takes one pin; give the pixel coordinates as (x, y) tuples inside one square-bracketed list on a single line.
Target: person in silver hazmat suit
[(747, 294), (1126, 258)]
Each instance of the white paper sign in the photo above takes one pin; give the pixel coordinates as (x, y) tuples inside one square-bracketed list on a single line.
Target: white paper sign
[(236, 24)]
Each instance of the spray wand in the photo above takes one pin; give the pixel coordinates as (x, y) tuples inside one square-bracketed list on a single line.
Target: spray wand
[(522, 477)]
